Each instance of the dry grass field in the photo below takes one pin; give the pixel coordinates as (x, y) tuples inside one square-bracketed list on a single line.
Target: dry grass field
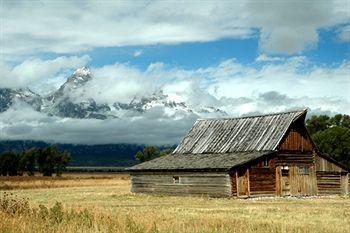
[(103, 203)]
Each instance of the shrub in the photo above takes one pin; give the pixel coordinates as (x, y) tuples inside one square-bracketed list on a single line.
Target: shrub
[(56, 213), (10, 204)]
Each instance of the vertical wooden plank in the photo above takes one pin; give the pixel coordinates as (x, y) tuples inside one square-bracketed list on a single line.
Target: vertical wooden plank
[(237, 184), (248, 183), (313, 180), (278, 181), (229, 184), (302, 144), (344, 184)]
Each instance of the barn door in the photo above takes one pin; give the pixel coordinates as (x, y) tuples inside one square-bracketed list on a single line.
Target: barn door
[(243, 182), (285, 182), (282, 181)]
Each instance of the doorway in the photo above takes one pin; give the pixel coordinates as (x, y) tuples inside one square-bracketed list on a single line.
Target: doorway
[(285, 184), (243, 182)]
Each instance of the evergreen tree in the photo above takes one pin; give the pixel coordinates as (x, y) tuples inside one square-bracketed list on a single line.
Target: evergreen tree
[(52, 160), (28, 160), (332, 135), (10, 163), (148, 153), (151, 152)]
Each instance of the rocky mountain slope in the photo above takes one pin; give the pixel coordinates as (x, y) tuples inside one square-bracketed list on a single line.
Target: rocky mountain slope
[(63, 102)]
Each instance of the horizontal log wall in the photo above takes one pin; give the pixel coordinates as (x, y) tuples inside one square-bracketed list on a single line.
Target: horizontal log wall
[(294, 158), (212, 184), (262, 181), (328, 182)]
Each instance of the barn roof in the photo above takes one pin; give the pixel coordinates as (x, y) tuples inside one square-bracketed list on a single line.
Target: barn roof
[(227, 135), (223, 143), (201, 162)]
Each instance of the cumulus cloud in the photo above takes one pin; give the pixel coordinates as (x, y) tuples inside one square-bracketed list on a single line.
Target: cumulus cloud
[(236, 88), (21, 123), (291, 26), (114, 82), (37, 72), (295, 77), (32, 27)]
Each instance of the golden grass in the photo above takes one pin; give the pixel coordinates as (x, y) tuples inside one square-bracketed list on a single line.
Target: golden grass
[(66, 180), (96, 204)]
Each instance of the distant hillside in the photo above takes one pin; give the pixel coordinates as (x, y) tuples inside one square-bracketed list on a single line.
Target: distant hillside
[(118, 155)]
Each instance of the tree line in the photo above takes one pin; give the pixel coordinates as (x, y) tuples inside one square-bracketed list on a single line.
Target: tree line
[(151, 152), (332, 135), (47, 160)]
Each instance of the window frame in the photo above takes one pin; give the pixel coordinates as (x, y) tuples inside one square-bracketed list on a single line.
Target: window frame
[(176, 179), (303, 170), (266, 162)]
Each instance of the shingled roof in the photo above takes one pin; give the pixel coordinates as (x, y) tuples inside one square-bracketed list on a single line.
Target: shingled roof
[(201, 162), (223, 143), (227, 135)]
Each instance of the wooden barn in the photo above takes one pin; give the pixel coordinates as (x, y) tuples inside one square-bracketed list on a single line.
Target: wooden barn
[(265, 155)]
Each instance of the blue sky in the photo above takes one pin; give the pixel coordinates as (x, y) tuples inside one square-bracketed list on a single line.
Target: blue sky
[(240, 56), (188, 55), (328, 51)]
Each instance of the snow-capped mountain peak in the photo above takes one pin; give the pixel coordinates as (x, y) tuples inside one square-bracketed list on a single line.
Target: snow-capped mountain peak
[(83, 71), (80, 76), (72, 101)]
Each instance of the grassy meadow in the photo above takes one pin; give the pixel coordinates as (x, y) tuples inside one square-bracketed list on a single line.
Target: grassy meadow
[(95, 202)]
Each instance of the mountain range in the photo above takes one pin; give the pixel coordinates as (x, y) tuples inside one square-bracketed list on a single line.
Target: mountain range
[(64, 103)]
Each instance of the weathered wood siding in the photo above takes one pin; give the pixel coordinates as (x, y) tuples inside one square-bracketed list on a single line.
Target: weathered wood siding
[(296, 140), (302, 184), (329, 182), (323, 164), (263, 179), (290, 163), (242, 179), (330, 179), (256, 179), (295, 159), (233, 184), (292, 180), (345, 184), (197, 183)]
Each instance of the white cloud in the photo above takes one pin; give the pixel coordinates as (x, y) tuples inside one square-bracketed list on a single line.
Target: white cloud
[(295, 77), (112, 83), (291, 26), (137, 53), (233, 87), (22, 123), (263, 58), (283, 26), (38, 73), (344, 33)]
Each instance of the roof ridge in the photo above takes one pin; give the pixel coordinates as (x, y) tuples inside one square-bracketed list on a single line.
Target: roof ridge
[(253, 116)]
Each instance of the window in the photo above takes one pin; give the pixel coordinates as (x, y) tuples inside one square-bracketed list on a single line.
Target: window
[(176, 179), (285, 171), (303, 170), (266, 162)]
